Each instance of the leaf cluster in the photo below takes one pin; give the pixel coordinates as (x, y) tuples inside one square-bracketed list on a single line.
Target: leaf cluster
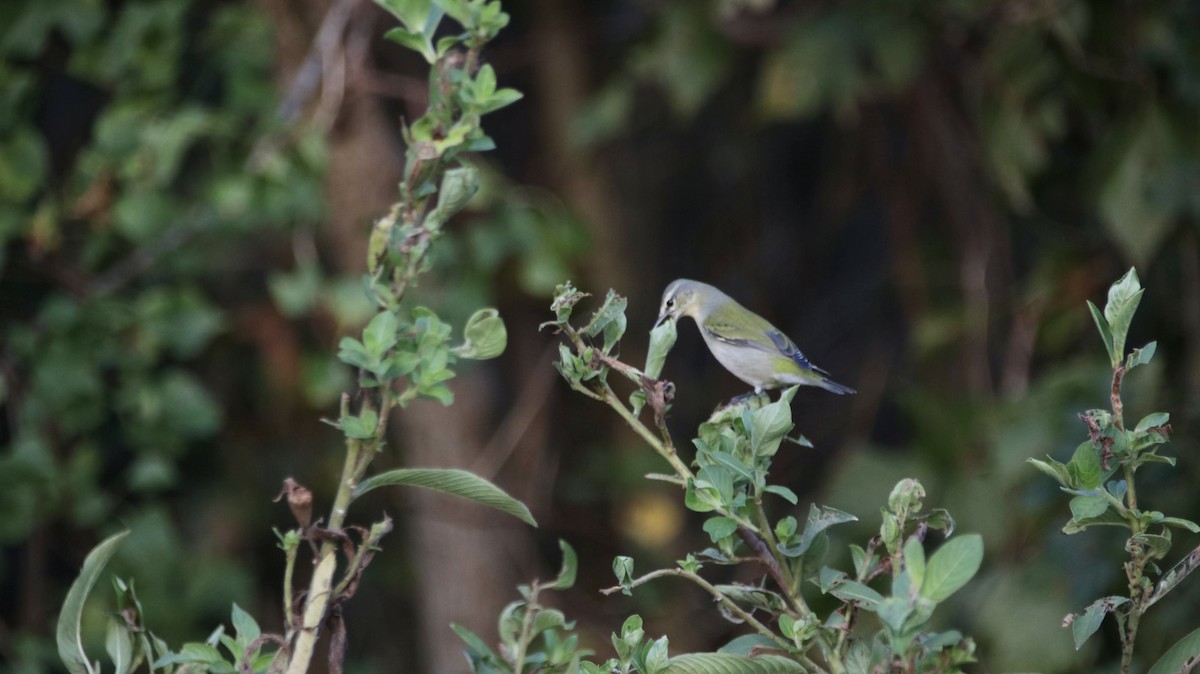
[(1101, 479), (110, 303), (876, 627)]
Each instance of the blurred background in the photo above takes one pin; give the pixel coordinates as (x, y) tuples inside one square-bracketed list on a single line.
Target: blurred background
[(922, 193)]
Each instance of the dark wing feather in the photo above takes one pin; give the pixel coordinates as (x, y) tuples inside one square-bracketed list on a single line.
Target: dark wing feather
[(788, 348)]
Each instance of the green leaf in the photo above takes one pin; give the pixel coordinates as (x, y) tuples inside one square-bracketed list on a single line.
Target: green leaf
[(566, 574), (914, 561), (380, 334), (1141, 356), (747, 642), (662, 338), (359, 427), (1105, 334), (244, 626), (1123, 299), (1152, 421), (819, 519), (701, 497), (727, 460), (623, 569), (1054, 469), (951, 566), (852, 590), (828, 578), (119, 644), (1181, 523), (565, 299), (438, 392), (459, 185), (769, 424), (484, 336), (609, 319), (70, 641), (1088, 507), (906, 497), (1151, 457), (783, 492), (1156, 546), (689, 563), (447, 43), (1109, 517), (1181, 657), (656, 657), (500, 99), (414, 14), (1085, 467), (450, 481), (417, 42), (1117, 488), (1085, 624), (475, 645), (938, 519), (894, 612), (192, 652), (719, 527), (548, 618), (728, 663), (485, 81)]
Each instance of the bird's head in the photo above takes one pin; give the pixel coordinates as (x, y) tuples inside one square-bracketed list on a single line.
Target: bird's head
[(681, 298)]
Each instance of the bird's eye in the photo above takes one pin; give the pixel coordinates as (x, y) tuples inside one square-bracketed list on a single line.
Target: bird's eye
[(670, 302)]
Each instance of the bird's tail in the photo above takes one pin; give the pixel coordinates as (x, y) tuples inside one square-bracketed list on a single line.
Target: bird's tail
[(834, 387)]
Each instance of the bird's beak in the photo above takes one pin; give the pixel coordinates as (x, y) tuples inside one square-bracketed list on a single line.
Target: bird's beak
[(662, 318)]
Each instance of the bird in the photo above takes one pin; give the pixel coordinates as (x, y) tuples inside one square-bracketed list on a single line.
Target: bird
[(743, 342)]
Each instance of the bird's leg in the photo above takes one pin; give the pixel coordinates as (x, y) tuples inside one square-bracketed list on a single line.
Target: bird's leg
[(744, 398)]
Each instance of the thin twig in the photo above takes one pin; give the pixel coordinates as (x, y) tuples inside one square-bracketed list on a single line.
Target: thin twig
[(525, 410), (763, 556), (716, 594), (308, 77)]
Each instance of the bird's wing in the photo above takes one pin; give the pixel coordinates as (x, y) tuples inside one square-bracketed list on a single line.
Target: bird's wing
[(734, 325), (756, 333), (732, 334), (788, 348)]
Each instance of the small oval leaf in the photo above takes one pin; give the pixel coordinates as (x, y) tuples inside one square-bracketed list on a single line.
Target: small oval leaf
[(952, 566)]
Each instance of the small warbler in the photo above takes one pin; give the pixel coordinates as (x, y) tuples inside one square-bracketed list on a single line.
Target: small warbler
[(744, 342)]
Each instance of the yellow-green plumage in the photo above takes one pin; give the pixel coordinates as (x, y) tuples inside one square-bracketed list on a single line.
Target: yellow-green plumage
[(743, 342)]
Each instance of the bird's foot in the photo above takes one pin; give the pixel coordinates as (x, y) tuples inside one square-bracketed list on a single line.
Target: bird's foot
[(745, 398)]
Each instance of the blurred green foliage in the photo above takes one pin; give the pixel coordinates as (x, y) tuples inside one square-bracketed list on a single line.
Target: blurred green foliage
[(856, 165), (1098, 94), (134, 184)]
